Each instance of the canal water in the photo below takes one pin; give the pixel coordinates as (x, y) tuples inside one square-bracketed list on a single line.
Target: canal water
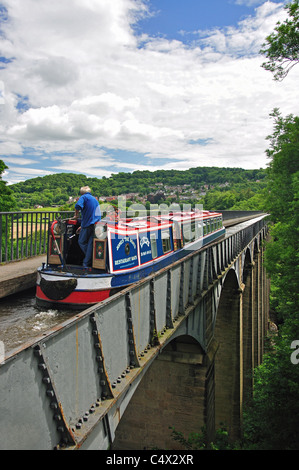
[(21, 320)]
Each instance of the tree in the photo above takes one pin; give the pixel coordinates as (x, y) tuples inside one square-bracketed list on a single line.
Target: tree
[(282, 46), (283, 176), (270, 421), (7, 200), (271, 418)]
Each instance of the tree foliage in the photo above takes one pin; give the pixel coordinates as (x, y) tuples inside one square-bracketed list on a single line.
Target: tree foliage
[(283, 176), (7, 199), (282, 46), (57, 188), (271, 418)]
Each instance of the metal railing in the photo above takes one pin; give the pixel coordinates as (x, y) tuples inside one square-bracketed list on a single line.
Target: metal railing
[(25, 234)]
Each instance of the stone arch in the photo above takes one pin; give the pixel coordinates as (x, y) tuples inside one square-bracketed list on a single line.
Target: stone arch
[(170, 394), (257, 293), (247, 325), (255, 246), (227, 358), (247, 259)]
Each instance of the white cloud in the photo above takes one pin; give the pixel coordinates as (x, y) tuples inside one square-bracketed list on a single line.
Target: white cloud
[(88, 85), (19, 161), (249, 3)]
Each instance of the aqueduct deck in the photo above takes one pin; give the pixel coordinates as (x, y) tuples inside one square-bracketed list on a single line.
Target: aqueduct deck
[(176, 349)]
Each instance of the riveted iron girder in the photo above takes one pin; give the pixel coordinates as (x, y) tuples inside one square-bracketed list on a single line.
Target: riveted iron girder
[(71, 386)]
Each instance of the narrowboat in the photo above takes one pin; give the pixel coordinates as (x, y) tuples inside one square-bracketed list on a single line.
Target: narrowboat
[(124, 252)]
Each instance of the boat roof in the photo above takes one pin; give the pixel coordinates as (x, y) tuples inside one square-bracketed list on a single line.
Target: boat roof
[(159, 220)]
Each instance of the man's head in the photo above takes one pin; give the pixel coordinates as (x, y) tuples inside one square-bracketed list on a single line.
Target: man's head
[(85, 189)]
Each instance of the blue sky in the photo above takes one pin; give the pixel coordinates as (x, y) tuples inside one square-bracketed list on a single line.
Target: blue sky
[(129, 85), (172, 17)]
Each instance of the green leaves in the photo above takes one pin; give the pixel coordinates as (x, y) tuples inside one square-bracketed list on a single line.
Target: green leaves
[(270, 422), (7, 200), (56, 188), (282, 46)]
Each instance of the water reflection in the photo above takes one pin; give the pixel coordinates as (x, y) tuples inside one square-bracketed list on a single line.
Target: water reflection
[(21, 320)]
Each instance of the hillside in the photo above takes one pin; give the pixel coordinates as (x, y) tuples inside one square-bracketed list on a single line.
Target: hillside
[(174, 185)]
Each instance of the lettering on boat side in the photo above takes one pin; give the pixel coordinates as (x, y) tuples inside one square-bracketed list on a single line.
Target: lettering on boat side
[(125, 260), (126, 239)]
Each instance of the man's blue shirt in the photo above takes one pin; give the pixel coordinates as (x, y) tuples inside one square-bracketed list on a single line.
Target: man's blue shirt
[(90, 210)]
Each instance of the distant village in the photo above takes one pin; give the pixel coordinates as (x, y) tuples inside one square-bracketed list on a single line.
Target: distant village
[(161, 191)]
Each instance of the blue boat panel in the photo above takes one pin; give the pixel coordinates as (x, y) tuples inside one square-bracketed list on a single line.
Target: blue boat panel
[(126, 278), (145, 247), (125, 251)]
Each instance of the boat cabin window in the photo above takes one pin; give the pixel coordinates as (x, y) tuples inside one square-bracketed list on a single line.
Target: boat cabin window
[(189, 231), (154, 245), (205, 228), (198, 229), (166, 240)]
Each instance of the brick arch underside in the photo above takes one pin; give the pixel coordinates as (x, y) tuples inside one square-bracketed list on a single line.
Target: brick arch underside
[(227, 358), (171, 395)]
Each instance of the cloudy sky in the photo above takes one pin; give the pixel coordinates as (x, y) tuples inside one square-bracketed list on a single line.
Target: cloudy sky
[(102, 86)]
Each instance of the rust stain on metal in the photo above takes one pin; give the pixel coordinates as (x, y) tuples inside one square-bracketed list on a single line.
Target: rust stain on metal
[(104, 366), (65, 423)]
